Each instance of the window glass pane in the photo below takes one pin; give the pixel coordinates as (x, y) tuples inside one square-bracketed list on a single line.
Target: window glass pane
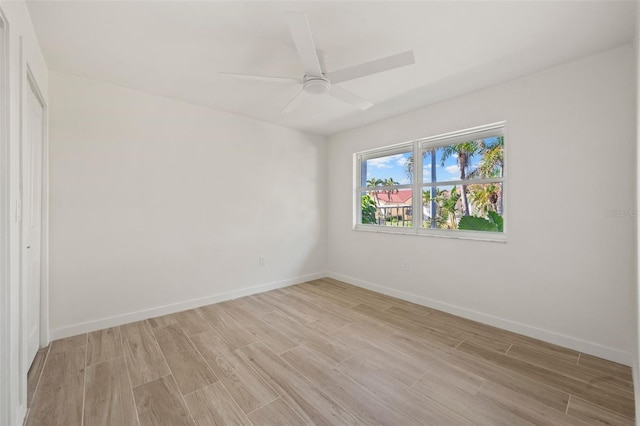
[(475, 159), (445, 206), (387, 170), (441, 207), (387, 208), (484, 198)]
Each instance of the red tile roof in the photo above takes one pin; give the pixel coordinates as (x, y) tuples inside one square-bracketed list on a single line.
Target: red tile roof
[(400, 197)]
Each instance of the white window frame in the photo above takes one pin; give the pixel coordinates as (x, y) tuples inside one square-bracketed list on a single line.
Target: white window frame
[(417, 147)]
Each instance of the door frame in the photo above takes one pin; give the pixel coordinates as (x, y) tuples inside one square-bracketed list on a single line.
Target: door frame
[(32, 84), (5, 227), (28, 82)]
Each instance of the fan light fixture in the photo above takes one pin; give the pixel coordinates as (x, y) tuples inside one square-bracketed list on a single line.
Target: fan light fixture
[(316, 85)]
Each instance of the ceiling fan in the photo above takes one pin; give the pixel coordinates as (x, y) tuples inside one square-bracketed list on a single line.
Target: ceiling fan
[(315, 80)]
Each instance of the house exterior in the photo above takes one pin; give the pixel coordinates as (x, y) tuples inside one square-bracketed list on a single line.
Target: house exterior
[(396, 204)]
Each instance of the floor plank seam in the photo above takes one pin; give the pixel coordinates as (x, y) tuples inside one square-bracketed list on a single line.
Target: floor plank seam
[(202, 357), (257, 373), (480, 387), (304, 376), (422, 376), (184, 401), (145, 383), (35, 391), (126, 364), (84, 377), (283, 352), (521, 377), (95, 364), (343, 326), (610, 411), (173, 378), (265, 404), (44, 364), (292, 409), (540, 381), (345, 360), (235, 401)]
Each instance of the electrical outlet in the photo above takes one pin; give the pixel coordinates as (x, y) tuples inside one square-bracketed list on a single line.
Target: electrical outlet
[(405, 266), (261, 261)]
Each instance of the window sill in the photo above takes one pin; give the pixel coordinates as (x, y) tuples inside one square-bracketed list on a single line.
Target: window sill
[(494, 237)]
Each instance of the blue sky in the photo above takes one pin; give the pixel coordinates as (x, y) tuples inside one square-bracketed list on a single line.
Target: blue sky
[(394, 166)]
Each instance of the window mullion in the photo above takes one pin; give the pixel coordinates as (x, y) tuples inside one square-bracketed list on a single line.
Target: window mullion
[(417, 186), (385, 188), (466, 182)]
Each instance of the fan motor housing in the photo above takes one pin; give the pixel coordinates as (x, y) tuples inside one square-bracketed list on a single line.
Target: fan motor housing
[(316, 85)]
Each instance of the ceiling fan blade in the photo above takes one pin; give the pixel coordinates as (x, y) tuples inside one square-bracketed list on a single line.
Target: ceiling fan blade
[(303, 39), (261, 77), (372, 67), (349, 97), (293, 103)]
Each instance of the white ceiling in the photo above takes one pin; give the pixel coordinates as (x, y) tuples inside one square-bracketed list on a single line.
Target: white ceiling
[(176, 48)]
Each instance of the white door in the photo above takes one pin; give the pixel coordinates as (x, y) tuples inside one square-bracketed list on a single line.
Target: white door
[(32, 144)]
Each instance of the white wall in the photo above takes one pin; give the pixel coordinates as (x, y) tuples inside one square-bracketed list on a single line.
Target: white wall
[(566, 274), (159, 205), (23, 51)]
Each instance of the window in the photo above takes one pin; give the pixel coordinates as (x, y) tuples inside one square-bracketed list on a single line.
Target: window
[(447, 185)]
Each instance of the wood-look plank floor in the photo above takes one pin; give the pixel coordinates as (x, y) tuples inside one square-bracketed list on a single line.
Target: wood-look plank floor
[(322, 352)]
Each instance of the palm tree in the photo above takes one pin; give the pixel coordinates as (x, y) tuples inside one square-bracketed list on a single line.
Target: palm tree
[(465, 152), (408, 170), (492, 165), (374, 182), (484, 198), (433, 197), (390, 182), (448, 203)]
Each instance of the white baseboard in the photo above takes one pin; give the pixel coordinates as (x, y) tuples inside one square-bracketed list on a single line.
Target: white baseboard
[(580, 345), (576, 344), (21, 413), (75, 329)]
